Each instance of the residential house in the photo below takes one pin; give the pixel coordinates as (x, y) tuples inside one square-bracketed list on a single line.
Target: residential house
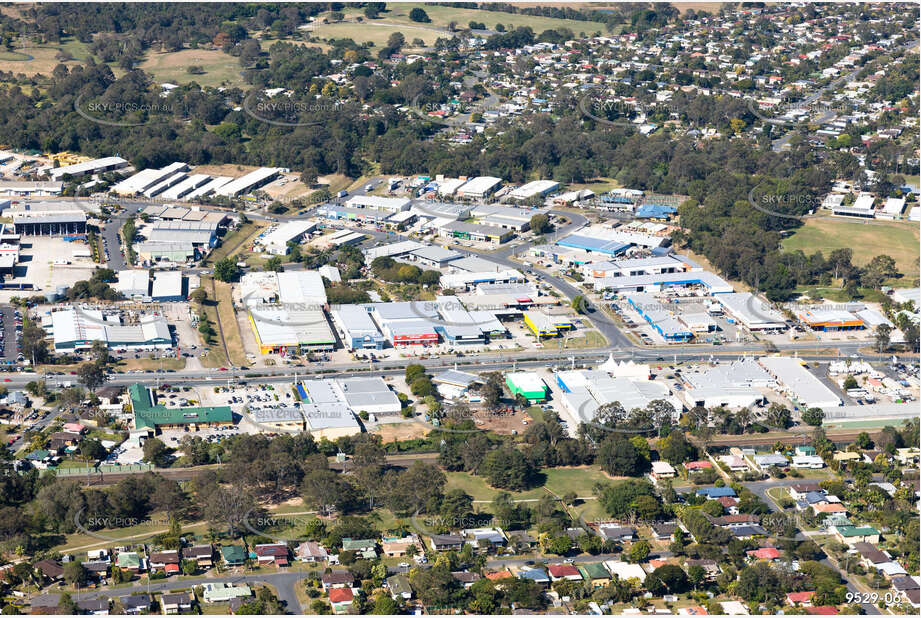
[(909, 455), (595, 574), (854, 534), (50, 569), (94, 607), (711, 567), (399, 587), (716, 492), (233, 555), (564, 571), (446, 542), (828, 509), (466, 578), (98, 569), (45, 603), (485, 538), (129, 561), (497, 575), (611, 532), (664, 531), (536, 575), (745, 532), (764, 553), (135, 603), (203, 555), (891, 569), (363, 548), (662, 470), (166, 561), (870, 556), (337, 579), (310, 551), (176, 603), (822, 610), (396, 547), (221, 592), (341, 600), (272, 553), (697, 466), (803, 599), (798, 491), (625, 570), (520, 539)]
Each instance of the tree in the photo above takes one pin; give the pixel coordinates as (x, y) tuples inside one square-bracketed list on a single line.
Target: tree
[(850, 382), (619, 500), (559, 545), (92, 375), (384, 603), (882, 336), (863, 440), (273, 264), (814, 417), (675, 448), (419, 15), (226, 270), (492, 390), (578, 304), (779, 416), (156, 452), (100, 352), (507, 468), (670, 579), (619, 457), (75, 573), (540, 224), (638, 552), (199, 296)]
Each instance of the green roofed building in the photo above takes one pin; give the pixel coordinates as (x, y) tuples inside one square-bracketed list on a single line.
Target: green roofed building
[(527, 384), (233, 555), (855, 534), (149, 415), (596, 574)]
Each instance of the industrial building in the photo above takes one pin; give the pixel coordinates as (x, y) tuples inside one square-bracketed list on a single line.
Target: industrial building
[(77, 329), (134, 284), (185, 186), (527, 384), (165, 251), (96, 166), (734, 385), (584, 391), (151, 416), (198, 233), (298, 322), (545, 325), (474, 231), (48, 219), (301, 287), (388, 204), (533, 189), (250, 182), (657, 315), (369, 394), (826, 319), (359, 330), (479, 188), (406, 323), (654, 283), (167, 286), (506, 217), (751, 311), (798, 383), (26, 188), (433, 256), (145, 180)]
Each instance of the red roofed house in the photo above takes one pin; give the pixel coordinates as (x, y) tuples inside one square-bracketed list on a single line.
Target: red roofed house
[(691, 466), (834, 507), (822, 610), (564, 571), (497, 575), (167, 561), (341, 600), (800, 598), (764, 553)]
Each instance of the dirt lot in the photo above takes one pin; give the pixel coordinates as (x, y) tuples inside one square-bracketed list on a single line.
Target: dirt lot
[(502, 423), (392, 432)]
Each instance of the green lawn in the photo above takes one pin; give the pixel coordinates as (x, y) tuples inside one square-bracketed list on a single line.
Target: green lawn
[(898, 239), (558, 480), (219, 69)]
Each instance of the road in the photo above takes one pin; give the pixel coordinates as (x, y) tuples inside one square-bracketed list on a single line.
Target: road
[(283, 581)]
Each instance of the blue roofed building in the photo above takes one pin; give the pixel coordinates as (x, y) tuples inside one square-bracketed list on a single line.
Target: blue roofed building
[(717, 492)]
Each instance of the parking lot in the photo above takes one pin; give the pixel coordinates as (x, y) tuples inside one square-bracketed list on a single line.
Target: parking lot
[(48, 262), (10, 340)]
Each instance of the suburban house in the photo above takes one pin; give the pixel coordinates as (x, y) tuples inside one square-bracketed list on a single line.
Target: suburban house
[(395, 547), (94, 607), (176, 603), (364, 548), (341, 600), (203, 555), (564, 571), (520, 539), (662, 470), (50, 569), (595, 574), (166, 561), (870, 556), (337, 579), (135, 603), (664, 531), (536, 575), (399, 587), (447, 542), (272, 553), (611, 532), (233, 555), (800, 598), (310, 551), (129, 561), (466, 578), (854, 534), (220, 592)]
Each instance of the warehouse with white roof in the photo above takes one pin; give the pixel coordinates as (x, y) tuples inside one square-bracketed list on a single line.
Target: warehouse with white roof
[(798, 383), (96, 166), (276, 241), (250, 182), (391, 204), (479, 188), (74, 329)]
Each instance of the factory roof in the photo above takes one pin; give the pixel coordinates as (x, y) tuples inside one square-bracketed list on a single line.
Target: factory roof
[(301, 287), (479, 185), (436, 254), (379, 203), (245, 183), (804, 386), (167, 284)]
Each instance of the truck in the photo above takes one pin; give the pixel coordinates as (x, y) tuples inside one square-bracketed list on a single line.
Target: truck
[(342, 194)]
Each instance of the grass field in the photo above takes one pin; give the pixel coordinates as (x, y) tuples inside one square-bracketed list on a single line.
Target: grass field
[(233, 243), (31, 59), (229, 323), (220, 69), (590, 339), (150, 364), (396, 19), (866, 239), (558, 481)]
